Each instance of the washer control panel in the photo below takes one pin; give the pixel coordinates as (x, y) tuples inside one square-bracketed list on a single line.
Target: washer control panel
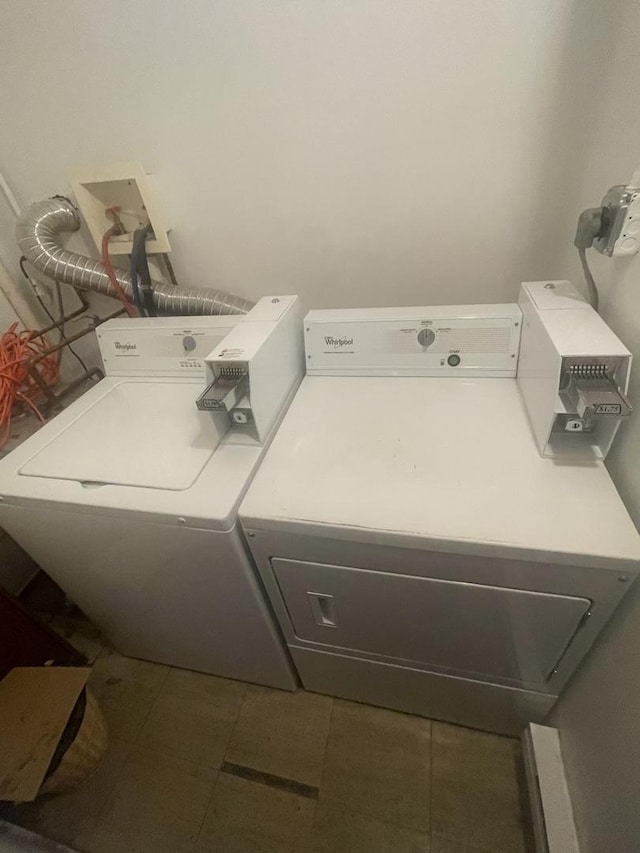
[(161, 346), (482, 340)]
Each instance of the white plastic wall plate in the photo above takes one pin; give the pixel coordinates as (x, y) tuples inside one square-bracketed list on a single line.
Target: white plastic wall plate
[(124, 185)]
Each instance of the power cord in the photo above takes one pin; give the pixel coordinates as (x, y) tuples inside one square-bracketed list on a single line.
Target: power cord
[(592, 288), (589, 227)]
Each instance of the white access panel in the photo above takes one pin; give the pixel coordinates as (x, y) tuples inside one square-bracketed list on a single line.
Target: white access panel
[(465, 701), (462, 628), (449, 340), (130, 188)]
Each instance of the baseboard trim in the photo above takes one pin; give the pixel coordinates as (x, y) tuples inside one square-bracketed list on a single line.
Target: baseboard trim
[(554, 827)]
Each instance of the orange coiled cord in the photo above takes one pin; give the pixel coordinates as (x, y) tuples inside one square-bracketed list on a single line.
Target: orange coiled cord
[(17, 349)]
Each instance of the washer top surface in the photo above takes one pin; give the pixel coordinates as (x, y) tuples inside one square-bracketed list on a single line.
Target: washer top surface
[(452, 461), (137, 434), (134, 446)]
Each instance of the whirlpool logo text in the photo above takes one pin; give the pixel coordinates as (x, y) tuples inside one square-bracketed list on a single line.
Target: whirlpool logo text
[(330, 341)]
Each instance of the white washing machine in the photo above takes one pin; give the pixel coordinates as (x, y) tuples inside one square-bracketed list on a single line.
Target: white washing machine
[(128, 499), (418, 550)]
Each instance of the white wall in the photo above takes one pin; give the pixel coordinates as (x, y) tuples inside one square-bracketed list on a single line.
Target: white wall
[(354, 151), (599, 715)]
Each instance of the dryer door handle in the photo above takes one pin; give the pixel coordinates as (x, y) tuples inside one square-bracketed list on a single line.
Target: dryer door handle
[(324, 609)]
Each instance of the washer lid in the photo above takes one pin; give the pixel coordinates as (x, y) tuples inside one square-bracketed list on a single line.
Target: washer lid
[(146, 434)]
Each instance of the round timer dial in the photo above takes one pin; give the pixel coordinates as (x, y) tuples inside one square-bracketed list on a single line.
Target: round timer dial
[(426, 337)]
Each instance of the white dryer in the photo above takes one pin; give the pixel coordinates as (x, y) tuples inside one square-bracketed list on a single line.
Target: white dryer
[(128, 498), (418, 550)]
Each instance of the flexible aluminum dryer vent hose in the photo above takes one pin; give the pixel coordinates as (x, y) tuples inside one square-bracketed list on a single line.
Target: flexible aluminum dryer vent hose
[(37, 231)]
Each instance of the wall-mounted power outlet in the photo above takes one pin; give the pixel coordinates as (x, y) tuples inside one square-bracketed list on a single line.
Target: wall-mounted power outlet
[(124, 186)]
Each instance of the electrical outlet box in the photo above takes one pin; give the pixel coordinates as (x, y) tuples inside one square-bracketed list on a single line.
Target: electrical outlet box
[(127, 187), (621, 222)]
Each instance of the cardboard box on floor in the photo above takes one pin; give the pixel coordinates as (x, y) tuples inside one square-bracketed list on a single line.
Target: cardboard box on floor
[(35, 705)]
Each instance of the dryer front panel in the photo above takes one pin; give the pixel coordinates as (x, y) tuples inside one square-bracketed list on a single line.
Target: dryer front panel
[(507, 635)]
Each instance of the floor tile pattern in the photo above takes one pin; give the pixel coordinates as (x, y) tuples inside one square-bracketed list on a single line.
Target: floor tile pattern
[(199, 763)]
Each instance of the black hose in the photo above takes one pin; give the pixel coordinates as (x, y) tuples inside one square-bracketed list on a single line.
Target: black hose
[(147, 300), (139, 258), (133, 272)]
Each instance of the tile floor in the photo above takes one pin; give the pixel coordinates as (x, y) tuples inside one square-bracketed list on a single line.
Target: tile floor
[(198, 763)]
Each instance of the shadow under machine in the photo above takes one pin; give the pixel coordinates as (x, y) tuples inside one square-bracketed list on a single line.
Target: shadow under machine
[(128, 499), (434, 522)]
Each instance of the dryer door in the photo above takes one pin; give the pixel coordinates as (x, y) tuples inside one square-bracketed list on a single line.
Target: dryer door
[(510, 635)]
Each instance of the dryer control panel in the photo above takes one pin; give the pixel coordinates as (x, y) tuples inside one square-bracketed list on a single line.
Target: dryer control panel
[(443, 340)]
